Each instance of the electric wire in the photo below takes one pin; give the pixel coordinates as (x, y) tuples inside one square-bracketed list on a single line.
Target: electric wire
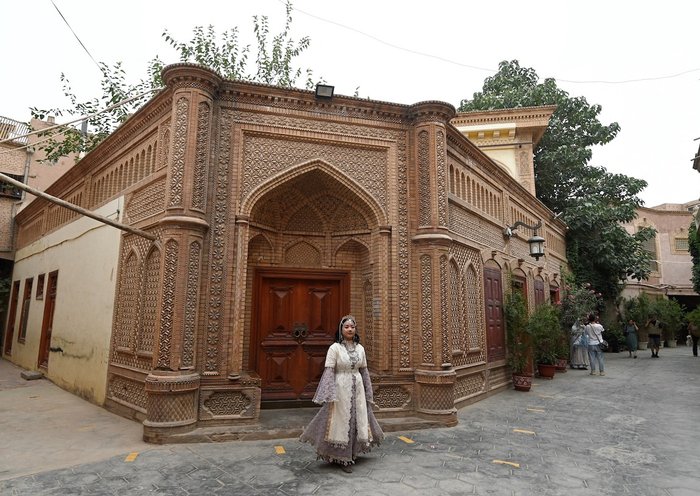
[(469, 66), (76, 37)]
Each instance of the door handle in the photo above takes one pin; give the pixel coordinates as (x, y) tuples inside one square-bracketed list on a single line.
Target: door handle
[(300, 331)]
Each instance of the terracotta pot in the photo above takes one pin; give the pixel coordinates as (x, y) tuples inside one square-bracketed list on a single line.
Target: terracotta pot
[(546, 371), (562, 363), (522, 382)]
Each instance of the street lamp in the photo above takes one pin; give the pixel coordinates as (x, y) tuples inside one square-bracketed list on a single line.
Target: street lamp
[(536, 242)]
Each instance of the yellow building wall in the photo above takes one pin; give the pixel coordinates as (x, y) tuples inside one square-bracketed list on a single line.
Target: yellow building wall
[(85, 253)]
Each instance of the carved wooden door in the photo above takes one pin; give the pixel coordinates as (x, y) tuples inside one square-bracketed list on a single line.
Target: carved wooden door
[(493, 296), (47, 324), (296, 317)]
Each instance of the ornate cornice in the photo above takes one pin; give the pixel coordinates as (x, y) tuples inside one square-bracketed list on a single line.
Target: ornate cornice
[(431, 110), (183, 75)]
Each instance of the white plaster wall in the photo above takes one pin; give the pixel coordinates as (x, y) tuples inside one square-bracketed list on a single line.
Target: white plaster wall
[(85, 253), (504, 157)]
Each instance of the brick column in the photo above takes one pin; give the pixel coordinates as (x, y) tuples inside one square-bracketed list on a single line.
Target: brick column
[(173, 386)]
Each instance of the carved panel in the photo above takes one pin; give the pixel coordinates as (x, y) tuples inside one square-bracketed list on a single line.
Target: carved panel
[(127, 391), (466, 224), (191, 301), (151, 290), (426, 307), (403, 257), (265, 156), (441, 178), (368, 308), (392, 397), (424, 178), (229, 403), (303, 255), (444, 317), (179, 146), (200, 163), (147, 202), (469, 385), (217, 250), (437, 397), (168, 304), (128, 304)]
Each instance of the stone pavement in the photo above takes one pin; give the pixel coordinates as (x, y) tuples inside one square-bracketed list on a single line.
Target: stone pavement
[(634, 431)]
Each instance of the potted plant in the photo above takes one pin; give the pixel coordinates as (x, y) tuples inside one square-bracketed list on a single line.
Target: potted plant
[(544, 327), (517, 340)]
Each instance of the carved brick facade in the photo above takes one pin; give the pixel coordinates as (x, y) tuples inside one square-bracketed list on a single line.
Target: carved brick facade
[(237, 178)]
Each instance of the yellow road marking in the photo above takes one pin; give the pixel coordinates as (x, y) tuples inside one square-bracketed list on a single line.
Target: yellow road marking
[(131, 457), (538, 410), (406, 440), (280, 450), (523, 431), (503, 462)]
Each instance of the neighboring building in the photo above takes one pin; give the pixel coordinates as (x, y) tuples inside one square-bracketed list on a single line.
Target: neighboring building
[(273, 213), (671, 263), (20, 160)]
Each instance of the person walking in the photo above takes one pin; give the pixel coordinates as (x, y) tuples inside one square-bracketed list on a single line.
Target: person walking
[(594, 334), (345, 426), (654, 336), (631, 332)]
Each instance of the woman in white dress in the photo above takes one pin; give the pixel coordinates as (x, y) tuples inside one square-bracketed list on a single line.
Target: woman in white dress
[(345, 426)]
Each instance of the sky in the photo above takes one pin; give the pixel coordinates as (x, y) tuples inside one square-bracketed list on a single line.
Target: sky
[(638, 60)]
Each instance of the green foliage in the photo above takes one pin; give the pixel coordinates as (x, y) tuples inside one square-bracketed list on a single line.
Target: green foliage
[(546, 332), (639, 309), (579, 300), (517, 331), (71, 140), (225, 55), (694, 248), (693, 318), (670, 314), (591, 200)]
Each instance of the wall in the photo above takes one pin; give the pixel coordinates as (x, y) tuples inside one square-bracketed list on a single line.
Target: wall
[(85, 253)]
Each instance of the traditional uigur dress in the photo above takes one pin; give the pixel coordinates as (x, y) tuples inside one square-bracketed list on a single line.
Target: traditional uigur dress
[(345, 426)]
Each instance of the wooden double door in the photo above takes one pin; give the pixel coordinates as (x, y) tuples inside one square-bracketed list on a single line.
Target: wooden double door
[(295, 319)]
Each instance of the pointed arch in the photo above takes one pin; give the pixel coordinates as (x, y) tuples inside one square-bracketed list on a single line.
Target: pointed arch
[(296, 171)]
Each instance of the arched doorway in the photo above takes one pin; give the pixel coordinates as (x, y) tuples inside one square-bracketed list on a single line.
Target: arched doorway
[(309, 263)]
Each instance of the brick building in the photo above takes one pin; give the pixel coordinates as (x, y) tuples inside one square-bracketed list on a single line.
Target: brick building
[(268, 213)]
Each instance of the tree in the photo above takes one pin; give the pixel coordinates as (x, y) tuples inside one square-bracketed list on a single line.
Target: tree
[(592, 201), (225, 55)]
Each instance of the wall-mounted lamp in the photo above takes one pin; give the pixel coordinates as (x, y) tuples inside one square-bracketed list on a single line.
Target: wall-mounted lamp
[(536, 242), (324, 91)]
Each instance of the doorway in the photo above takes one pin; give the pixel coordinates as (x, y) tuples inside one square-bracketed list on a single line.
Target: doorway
[(295, 314)]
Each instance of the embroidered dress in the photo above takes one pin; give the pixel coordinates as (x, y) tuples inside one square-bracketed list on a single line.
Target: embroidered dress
[(345, 426)]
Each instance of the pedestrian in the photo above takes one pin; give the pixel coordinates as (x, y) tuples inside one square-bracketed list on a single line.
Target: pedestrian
[(579, 346), (654, 333), (345, 426), (594, 333), (694, 331), (631, 332)]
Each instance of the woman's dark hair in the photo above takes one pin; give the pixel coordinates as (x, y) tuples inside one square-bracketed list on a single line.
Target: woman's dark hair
[(591, 317), (339, 335)]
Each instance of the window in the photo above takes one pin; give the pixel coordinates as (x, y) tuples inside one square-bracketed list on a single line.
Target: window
[(680, 244), (7, 189), (650, 247), (40, 287), (26, 300)]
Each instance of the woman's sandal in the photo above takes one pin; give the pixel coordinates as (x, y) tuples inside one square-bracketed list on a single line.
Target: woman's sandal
[(346, 468)]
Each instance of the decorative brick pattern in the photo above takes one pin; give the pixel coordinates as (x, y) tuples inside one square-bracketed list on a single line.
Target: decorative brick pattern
[(147, 202), (391, 397), (469, 385), (179, 148), (127, 391), (191, 302), (227, 403), (441, 178), (167, 305), (149, 298), (424, 169), (200, 163), (426, 308)]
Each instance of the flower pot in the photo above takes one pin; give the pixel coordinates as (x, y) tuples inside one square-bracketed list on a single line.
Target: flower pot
[(546, 371), (522, 382), (562, 364)]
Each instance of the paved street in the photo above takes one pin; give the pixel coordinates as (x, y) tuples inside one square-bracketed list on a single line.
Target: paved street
[(634, 431)]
